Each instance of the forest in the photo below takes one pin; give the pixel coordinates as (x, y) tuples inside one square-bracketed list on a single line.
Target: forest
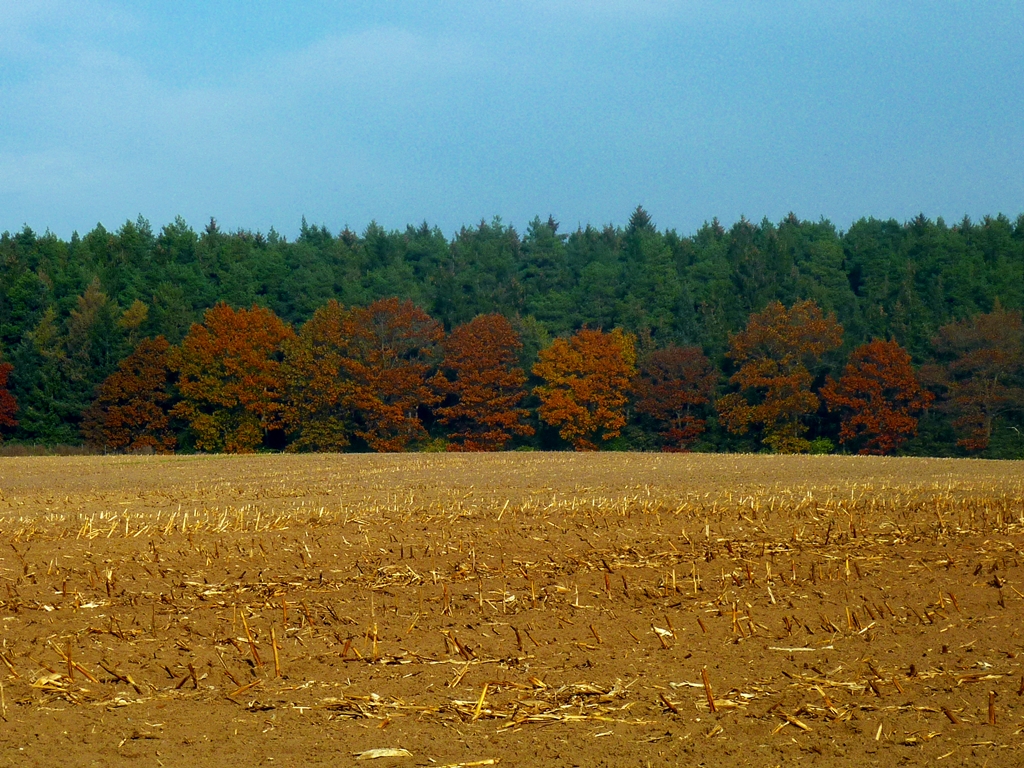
[(888, 338)]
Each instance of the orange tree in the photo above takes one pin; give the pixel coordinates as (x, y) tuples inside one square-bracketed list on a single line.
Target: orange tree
[(132, 406), (879, 396), (586, 385), (8, 405), (773, 355), (481, 375), (230, 379), (318, 406), (983, 378), (673, 383), (390, 348)]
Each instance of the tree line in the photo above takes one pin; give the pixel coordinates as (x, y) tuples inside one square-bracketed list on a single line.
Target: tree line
[(921, 317)]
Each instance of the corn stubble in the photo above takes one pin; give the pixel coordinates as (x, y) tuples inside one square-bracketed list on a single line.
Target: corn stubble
[(789, 604)]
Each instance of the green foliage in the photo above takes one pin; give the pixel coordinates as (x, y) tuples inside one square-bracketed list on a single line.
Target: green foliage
[(62, 303), (821, 446)]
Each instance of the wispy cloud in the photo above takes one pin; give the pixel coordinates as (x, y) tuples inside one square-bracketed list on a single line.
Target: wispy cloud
[(47, 173), (381, 55), (96, 124), (576, 106), (47, 31)]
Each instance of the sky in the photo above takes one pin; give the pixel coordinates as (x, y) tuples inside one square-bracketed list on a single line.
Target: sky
[(452, 111)]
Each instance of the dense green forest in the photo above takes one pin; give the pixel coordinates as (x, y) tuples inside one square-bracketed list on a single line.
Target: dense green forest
[(70, 311)]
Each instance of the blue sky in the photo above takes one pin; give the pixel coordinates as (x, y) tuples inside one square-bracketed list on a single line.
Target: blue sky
[(451, 111)]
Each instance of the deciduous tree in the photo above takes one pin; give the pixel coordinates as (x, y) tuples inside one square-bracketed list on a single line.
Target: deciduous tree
[(132, 407), (230, 381), (481, 374), (774, 355), (94, 339), (132, 320), (674, 383), (319, 409), (879, 396), (8, 405), (983, 378), (60, 363), (391, 345), (587, 380)]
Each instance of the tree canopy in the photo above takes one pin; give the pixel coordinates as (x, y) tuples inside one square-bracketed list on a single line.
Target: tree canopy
[(775, 355), (585, 385), (230, 378), (481, 376), (880, 397), (71, 311)]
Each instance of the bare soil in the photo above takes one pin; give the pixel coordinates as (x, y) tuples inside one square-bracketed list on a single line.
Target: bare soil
[(514, 609)]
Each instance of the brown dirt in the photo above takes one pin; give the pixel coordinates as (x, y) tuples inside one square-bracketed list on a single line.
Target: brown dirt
[(527, 609)]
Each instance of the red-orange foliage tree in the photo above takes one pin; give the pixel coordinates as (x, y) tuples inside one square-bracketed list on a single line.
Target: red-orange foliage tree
[(587, 379), (984, 376), (480, 371), (132, 407), (879, 396), (318, 408), (774, 354), (230, 378), (390, 347), (673, 383), (8, 405)]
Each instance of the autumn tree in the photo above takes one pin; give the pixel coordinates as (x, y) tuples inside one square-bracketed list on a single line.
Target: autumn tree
[(587, 380), (8, 405), (879, 396), (63, 361), (389, 353), (983, 375), (774, 355), (481, 375), (319, 405), (94, 339), (673, 385), (132, 407), (230, 378), (132, 320)]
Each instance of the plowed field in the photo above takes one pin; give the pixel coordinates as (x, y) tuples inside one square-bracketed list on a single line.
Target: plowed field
[(514, 609)]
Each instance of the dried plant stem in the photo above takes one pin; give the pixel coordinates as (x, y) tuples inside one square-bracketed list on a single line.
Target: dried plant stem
[(252, 643), (480, 703), (672, 707), (277, 659), (707, 689)]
